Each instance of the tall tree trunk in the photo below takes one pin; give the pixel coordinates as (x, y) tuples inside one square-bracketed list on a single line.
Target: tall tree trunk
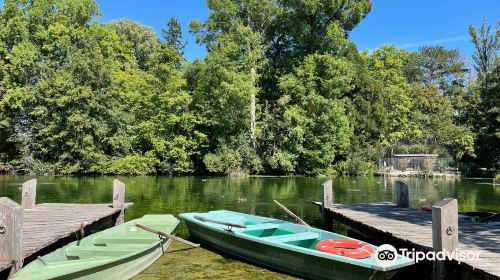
[(253, 75), (252, 108), (253, 72)]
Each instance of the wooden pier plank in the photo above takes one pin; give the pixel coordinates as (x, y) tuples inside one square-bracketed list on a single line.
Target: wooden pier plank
[(415, 226), (4, 265), (47, 223)]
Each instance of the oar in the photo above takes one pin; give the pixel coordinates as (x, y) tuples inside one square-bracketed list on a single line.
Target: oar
[(173, 237), (299, 220), (203, 219)]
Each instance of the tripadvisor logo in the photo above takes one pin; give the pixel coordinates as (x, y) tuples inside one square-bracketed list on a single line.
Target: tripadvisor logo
[(386, 255)]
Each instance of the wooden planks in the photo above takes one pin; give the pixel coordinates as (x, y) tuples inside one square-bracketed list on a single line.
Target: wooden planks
[(11, 220), (29, 230), (5, 264), (414, 227), (47, 223)]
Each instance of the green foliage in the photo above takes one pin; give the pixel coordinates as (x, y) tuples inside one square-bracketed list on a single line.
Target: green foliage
[(301, 28), (355, 165), (282, 90), (173, 35), (486, 120), (139, 39), (133, 165), (436, 65), (470, 169), (91, 97), (236, 158), (29, 165), (311, 120)]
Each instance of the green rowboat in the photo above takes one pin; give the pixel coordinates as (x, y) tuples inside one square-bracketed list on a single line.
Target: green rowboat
[(119, 252), (284, 246)]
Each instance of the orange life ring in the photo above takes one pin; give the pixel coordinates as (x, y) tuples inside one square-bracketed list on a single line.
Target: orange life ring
[(345, 247)]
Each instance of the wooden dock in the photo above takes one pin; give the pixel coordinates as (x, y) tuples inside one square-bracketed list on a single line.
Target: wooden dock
[(47, 226), (413, 228)]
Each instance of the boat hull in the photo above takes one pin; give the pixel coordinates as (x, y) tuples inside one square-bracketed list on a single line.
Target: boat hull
[(120, 252), (289, 261), (121, 269)]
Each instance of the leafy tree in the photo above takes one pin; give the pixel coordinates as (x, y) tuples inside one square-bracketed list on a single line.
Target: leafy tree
[(233, 35), (83, 97), (433, 113), (387, 66), (236, 158), (487, 46), (282, 90), (163, 125), (143, 41), (445, 69), (487, 119), (173, 36), (297, 29), (306, 27), (390, 103), (438, 66), (311, 124)]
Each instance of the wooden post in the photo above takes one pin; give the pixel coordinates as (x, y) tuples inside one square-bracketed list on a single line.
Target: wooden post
[(327, 201), (28, 199), (444, 231), (327, 194), (402, 195), (119, 200), (11, 233)]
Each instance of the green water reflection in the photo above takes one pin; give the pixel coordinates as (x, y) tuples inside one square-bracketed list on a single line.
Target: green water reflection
[(250, 195)]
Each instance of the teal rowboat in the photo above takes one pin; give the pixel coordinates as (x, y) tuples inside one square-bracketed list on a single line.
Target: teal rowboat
[(283, 246), (119, 252)]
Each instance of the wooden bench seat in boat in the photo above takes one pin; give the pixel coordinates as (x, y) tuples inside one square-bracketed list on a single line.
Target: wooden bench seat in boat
[(96, 251), (103, 240), (292, 237), (262, 226)]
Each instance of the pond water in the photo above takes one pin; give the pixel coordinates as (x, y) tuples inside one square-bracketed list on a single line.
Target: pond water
[(252, 195)]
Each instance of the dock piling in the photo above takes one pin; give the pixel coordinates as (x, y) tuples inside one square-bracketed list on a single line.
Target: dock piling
[(444, 232), (402, 195), (119, 200), (28, 198), (327, 202), (11, 221)]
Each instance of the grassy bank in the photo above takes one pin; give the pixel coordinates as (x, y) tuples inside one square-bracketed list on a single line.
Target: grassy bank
[(182, 262)]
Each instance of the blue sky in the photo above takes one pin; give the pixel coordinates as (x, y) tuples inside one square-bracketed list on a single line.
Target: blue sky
[(155, 13), (407, 23), (411, 24)]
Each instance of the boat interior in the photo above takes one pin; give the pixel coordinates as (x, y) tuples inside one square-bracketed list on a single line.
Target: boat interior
[(115, 242), (275, 230)]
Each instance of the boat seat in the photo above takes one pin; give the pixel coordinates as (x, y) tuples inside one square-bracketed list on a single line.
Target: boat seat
[(96, 251), (103, 240), (292, 237), (262, 226)]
